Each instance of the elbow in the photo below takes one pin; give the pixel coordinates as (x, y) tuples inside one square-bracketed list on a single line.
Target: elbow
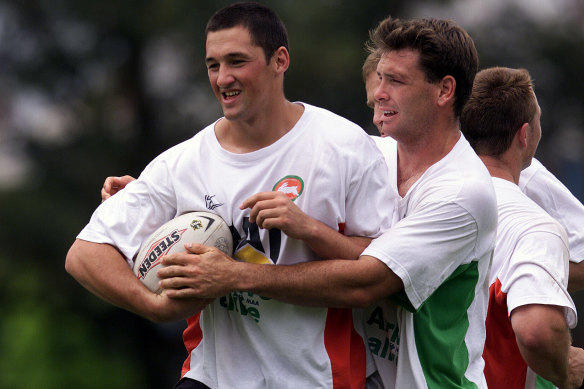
[(540, 338), (73, 260), (366, 294), (532, 341), (365, 297), (537, 325), (375, 281), (361, 300), (70, 262)]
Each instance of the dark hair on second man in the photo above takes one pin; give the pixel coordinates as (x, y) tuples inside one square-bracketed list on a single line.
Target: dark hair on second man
[(444, 47), (502, 100), (265, 26)]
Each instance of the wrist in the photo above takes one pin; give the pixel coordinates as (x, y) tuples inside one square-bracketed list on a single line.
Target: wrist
[(245, 276), (312, 231)]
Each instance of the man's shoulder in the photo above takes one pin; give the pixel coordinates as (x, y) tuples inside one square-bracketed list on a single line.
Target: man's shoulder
[(460, 175), (335, 131), (516, 209), (461, 179), (329, 119)]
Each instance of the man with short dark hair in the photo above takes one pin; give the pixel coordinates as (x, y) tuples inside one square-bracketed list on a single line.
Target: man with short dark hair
[(530, 310), (536, 181), (287, 177)]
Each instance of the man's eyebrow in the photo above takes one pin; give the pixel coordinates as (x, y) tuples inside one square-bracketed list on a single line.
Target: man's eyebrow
[(236, 54)]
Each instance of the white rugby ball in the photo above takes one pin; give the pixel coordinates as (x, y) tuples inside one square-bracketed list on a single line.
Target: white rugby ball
[(193, 227)]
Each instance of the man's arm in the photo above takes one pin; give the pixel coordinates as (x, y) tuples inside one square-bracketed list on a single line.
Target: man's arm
[(276, 210), (102, 270), (327, 283), (207, 272), (543, 339), (576, 277)]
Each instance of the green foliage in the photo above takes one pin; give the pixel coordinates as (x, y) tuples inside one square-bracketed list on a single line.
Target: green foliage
[(44, 346)]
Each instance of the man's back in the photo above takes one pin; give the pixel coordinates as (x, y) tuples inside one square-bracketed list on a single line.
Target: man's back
[(530, 266)]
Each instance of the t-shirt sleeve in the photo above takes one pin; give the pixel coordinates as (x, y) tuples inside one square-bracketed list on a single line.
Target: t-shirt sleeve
[(369, 203), (538, 274), (131, 215), (549, 193), (424, 249)]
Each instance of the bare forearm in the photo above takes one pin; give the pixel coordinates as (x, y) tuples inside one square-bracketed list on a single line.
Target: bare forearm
[(102, 270), (329, 283), (328, 243)]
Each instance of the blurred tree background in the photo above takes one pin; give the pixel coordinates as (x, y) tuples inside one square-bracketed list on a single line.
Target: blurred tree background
[(90, 89)]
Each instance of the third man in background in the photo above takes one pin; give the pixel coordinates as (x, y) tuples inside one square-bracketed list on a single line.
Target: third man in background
[(530, 310)]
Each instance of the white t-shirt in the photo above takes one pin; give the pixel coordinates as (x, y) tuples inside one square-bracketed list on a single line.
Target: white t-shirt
[(530, 266), (335, 173), (441, 249), (388, 147), (550, 194)]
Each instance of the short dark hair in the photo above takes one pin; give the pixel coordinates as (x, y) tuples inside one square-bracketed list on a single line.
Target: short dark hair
[(265, 26), (502, 100), (445, 49)]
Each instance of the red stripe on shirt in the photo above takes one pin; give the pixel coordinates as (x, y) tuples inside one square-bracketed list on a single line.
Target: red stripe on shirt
[(504, 365), (346, 350), (192, 336)]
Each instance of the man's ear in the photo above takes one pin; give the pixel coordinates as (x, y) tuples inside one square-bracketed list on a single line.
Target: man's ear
[(447, 89), (522, 134), (281, 59)]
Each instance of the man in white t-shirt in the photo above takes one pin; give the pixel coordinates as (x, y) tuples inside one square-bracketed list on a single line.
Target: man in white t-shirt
[(535, 181), (530, 311), (434, 261), (263, 143)]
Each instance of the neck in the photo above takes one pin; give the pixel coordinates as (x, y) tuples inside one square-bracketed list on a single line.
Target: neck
[(244, 136), (501, 168), (414, 158)]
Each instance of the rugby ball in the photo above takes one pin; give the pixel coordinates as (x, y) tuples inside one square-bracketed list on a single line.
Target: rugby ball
[(193, 227)]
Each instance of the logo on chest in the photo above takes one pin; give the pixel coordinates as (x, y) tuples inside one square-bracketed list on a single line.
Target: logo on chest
[(291, 186)]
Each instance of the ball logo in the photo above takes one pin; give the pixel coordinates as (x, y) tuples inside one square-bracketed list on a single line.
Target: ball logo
[(158, 250), (291, 186), (222, 244)]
